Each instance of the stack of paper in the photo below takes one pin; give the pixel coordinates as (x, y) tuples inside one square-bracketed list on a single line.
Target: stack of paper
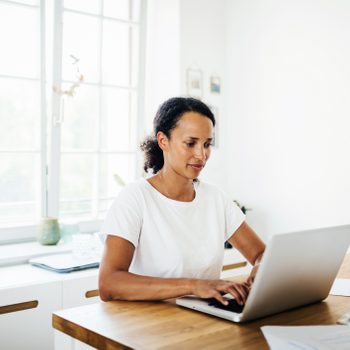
[(307, 337), (341, 286)]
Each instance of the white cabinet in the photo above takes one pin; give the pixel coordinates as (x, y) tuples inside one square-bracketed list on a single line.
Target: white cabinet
[(43, 292), (234, 264), (65, 342), (31, 328), (79, 291), (76, 292)]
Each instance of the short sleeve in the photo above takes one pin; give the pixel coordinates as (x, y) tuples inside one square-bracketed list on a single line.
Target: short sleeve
[(234, 217), (124, 218)]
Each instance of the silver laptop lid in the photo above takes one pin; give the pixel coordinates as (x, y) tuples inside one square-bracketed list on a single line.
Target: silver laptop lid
[(297, 269)]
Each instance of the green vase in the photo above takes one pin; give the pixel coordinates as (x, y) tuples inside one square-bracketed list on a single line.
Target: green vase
[(49, 231)]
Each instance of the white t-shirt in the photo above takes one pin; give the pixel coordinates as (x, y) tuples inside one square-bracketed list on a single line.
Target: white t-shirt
[(172, 238)]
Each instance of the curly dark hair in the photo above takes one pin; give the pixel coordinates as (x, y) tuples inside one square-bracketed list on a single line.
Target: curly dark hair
[(165, 120)]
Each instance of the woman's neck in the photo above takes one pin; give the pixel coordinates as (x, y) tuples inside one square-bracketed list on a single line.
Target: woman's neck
[(173, 186)]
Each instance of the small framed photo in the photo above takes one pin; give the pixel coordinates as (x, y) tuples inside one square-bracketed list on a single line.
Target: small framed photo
[(215, 85), (215, 111), (195, 83)]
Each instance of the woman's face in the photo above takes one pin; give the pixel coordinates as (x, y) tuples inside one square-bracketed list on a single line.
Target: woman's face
[(189, 146)]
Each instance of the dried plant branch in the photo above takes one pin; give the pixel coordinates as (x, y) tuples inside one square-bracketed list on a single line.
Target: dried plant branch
[(72, 89)]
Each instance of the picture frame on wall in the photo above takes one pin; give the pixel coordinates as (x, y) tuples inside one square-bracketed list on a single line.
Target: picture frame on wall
[(195, 83), (215, 111), (215, 85)]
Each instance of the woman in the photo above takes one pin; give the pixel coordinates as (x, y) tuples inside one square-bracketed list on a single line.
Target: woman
[(165, 235)]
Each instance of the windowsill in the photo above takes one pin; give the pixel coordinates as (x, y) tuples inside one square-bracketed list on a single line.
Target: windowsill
[(12, 253), (20, 253)]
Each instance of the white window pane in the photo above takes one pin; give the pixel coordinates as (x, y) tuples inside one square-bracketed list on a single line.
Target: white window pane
[(76, 176), (19, 187), (115, 55), (80, 118), (75, 209), (135, 55), (80, 39), (117, 8), (19, 41), (18, 212), (29, 2), (20, 114), (90, 6), (104, 205), (18, 181), (116, 169), (115, 126)]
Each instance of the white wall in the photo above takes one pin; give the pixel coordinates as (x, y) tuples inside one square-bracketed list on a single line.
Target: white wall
[(283, 111), (288, 99), (203, 45), (162, 71), (186, 34)]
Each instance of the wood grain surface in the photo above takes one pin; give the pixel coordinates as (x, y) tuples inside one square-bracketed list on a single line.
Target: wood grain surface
[(163, 325)]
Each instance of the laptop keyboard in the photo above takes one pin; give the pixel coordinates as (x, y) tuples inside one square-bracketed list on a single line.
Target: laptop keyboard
[(232, 306)]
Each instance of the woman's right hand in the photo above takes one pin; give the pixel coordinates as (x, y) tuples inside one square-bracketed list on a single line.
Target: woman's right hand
[(217, 288)]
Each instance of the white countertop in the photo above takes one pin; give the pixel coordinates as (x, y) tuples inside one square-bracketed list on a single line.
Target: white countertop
[(25, 274)]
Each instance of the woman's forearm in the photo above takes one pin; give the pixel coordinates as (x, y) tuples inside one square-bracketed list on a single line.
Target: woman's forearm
[(248, 243), (123, 285)]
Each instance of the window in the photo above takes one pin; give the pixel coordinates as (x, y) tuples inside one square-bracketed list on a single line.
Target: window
[(20, 112), (69, 87)]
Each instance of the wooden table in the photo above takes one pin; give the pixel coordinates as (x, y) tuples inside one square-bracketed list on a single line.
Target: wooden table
[(163, 325)]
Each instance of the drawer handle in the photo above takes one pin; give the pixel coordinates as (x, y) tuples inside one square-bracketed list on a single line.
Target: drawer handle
[(19, 307), (234, 266), (92, 293)]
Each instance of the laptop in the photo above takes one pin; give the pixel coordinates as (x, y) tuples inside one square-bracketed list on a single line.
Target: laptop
[(297, 269), (65, 263)]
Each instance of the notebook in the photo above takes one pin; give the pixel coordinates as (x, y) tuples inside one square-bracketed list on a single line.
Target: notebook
[(297, 269), (64, 263)]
